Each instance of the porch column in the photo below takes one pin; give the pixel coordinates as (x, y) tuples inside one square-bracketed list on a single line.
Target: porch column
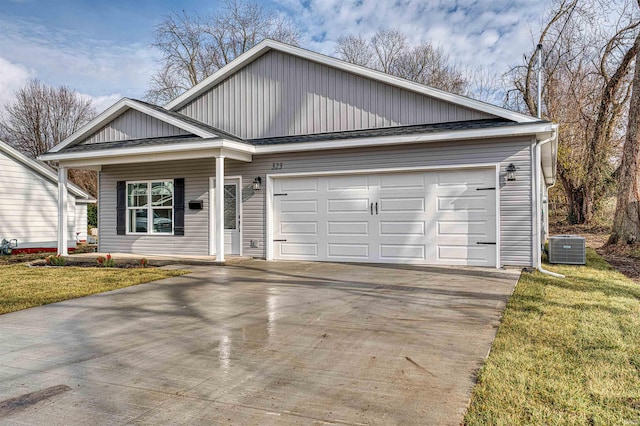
[(219, 213), (62, 211)]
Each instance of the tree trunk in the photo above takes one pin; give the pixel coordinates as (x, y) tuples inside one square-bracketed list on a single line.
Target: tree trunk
[(626, 223)]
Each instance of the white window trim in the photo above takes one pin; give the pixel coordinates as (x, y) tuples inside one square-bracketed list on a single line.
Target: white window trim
[(150, 208)]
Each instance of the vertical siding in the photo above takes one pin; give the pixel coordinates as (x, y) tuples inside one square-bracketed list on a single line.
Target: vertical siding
[(133, 124), (279, 94), (29, 207), (515, 200)]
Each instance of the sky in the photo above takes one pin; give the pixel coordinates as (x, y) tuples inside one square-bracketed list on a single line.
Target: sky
[(102, 49)]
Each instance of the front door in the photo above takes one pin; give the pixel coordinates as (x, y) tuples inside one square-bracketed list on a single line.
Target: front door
[(231, 216)]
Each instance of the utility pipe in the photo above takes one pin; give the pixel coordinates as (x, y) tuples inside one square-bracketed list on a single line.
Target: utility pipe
[(538, 219)]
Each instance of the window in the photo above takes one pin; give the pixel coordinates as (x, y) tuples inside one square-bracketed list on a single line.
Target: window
[(150, 207)]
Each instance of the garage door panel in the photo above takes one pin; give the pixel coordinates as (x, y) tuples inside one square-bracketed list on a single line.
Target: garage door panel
[(401, 205), (355, 205), (395, 252), (402, 228), (298, 228), (402, 181), (347, 228), (298, 206), (468, 203), (462, 255), (463, 227), (297, 185), (348, 250), (465, 178), (298, 250), (348, 183)]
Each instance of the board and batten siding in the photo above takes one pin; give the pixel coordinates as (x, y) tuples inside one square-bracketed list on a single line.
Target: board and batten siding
[(515, 197), (29, 207), (133, 124), (280, 94)]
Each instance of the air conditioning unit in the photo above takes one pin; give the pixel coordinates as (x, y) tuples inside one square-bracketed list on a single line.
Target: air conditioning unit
[(567, 249)]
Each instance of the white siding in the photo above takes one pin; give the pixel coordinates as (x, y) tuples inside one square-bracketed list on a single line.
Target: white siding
[(133, 124), (29, 206), (515, 213), (279, 94), (80, 232)]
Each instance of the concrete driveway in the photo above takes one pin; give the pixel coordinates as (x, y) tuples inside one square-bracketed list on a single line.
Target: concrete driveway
[(257, 343)]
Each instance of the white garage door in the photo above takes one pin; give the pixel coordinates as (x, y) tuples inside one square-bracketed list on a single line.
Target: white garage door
[(437, 217)]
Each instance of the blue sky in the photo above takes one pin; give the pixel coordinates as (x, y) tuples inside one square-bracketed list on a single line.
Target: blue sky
[(103, 49)]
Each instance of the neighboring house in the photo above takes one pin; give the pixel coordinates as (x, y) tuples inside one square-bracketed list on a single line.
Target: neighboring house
[(321, 160), (29, 203)]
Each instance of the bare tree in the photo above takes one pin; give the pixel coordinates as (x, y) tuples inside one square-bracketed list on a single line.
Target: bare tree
[(586, 89), (389, 51), (194, 47), (355, 49), (626, 223), (41, 117)]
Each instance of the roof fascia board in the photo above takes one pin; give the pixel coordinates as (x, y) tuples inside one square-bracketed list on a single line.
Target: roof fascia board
[(187, 150), (41, 169), (266, 45), (118, 108), (455, 135)]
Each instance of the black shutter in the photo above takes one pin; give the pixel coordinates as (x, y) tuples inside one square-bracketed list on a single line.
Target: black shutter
[(178, 206), (121, 207)]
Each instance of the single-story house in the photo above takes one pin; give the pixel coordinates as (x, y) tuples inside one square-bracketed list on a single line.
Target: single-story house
[(29, 192), (287, 154)]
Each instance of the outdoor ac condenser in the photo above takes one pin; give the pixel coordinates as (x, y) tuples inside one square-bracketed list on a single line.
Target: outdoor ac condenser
[(567, 249)]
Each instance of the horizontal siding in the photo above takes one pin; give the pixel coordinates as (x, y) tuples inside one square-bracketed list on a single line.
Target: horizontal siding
[(133, 124), (196, 234), (279, 94), (29, 207), (515, 199)]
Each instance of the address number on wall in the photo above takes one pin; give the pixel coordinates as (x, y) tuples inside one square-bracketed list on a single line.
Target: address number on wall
[(276, 166)]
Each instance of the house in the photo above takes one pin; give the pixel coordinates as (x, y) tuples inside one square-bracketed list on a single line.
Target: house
[(29, 206), (287, 154)]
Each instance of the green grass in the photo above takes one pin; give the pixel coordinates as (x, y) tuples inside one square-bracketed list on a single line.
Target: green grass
[(567, 352), (23, 287)]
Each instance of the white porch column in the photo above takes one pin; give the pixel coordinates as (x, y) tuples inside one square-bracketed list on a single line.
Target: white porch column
[(219, 213), (62, 211)]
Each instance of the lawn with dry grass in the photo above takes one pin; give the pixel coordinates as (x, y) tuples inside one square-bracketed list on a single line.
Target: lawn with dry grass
[(24, 287), (567, 351)]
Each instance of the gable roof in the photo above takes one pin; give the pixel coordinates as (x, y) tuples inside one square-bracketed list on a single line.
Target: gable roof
[(42, 169), (267, 45), (175, 119)]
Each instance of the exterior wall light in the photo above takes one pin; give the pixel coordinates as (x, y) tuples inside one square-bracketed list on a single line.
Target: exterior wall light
[(256, 183), (511, 172)]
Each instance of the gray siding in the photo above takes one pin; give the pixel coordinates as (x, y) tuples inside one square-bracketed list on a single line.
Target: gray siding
[(515, 201), (196, 233), (279, 94), (133, 124)]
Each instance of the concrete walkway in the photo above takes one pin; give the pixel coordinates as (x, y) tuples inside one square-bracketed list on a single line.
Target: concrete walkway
[(257, 343)]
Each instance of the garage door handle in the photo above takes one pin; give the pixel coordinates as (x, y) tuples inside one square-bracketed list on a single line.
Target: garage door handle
[(480, 242), (279, 241), (376, 208), (371, 208)]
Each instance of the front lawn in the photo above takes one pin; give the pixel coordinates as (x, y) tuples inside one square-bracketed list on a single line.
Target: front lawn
[(23, 287), (567, 351)]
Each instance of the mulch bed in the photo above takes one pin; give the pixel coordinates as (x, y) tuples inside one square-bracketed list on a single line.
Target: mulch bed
[(121, 265)]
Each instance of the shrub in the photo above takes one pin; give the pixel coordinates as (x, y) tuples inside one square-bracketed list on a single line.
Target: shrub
[(106, 262), (55, 260)]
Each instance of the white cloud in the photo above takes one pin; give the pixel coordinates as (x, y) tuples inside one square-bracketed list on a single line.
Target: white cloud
[(99, 68), (474, 33), (100, 103), (12, 77)]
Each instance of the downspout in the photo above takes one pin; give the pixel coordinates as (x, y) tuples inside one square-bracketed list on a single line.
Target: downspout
[(538, 216)]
